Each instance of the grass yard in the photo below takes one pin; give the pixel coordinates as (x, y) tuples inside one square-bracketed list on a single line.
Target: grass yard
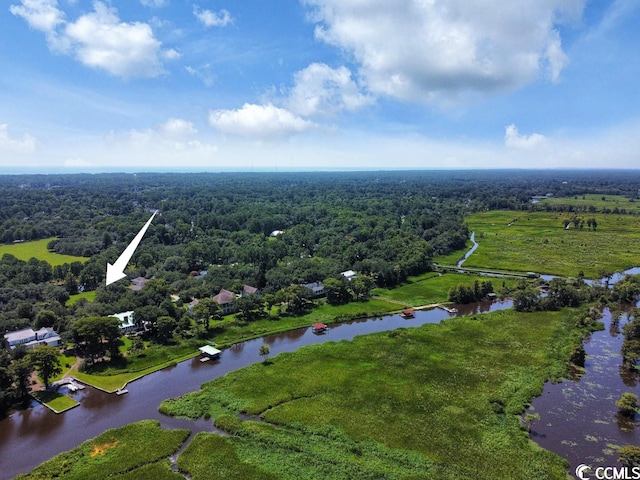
[(539, 242), (55, 401), (439, 401), (73, 299), (435, 289), (38, 249), (136, 451)]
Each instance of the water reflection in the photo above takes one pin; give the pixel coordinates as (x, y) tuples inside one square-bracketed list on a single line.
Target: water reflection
[(40, 432), (579, 420)]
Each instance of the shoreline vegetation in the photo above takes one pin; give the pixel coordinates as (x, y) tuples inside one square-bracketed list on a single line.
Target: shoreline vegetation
[(424, 291)]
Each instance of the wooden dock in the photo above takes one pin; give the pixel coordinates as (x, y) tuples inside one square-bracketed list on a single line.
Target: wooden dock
[(121, 391), (447, 309)]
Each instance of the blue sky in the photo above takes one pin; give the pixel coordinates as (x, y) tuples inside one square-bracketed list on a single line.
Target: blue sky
[(135, 85)]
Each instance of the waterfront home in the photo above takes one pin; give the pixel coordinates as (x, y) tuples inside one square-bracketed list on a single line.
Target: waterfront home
[(317, 289), (127, 324), (30, 338)]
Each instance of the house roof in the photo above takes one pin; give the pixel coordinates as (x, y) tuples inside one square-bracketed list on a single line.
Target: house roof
[(209, 350), (138, 283), (319, 325), (349, 274), (315, 286), (224, 297), (19, 335), (249, 290), (126, 318)]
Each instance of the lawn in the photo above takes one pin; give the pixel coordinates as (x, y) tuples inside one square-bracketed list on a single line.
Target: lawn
[(127, 452), (55, 401), (539, 242), (38, 249), (89, 296), (434, 289), (439, 401)]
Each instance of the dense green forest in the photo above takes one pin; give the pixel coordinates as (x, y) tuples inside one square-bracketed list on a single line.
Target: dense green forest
[(383, 225)]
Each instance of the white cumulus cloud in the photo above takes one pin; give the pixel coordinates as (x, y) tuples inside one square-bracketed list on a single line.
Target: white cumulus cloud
[(320, 90), (444, 51), (42, 15), (26, 144), (212, 19), (514, 139), (265, 122), (99, 39)]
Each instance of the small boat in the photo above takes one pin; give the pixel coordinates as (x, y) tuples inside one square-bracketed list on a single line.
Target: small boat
[(121, 391), (407, 313), (318, 328)]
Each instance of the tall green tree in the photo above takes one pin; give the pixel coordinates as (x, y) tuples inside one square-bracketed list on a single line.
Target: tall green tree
[(45, 360)]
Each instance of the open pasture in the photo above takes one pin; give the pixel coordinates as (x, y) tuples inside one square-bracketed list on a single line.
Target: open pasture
[(594, 203), (38, 249), (539, 242)]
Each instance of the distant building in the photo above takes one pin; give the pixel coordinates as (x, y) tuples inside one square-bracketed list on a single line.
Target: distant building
[(193, 303), (127, 324), (30, 338), (138, 283), (275, 233), (317, 289), (225, 299), (349, 274), (249, 290)]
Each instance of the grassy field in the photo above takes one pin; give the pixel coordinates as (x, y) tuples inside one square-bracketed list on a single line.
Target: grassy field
[(584, 202), (439, 401), (90, 296), (434, 289), (38, 249), (539, 242), (135, 451), (55, 401)]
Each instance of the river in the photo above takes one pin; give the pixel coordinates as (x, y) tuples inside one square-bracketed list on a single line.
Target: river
[(578, 419), (29, 437)]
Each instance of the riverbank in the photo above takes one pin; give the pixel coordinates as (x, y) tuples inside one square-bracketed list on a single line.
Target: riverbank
[(426, 291), (445, 398)]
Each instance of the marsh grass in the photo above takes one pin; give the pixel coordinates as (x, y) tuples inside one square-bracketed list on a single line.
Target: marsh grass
[(539, 242), (423, 396), (38, 249), (116, 451)]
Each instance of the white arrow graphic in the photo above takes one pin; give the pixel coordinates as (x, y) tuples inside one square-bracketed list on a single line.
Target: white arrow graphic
[(116, 271)]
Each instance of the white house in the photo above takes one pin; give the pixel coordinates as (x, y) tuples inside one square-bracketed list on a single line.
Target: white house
[(127, 324), (30, 338), (349, 274)]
